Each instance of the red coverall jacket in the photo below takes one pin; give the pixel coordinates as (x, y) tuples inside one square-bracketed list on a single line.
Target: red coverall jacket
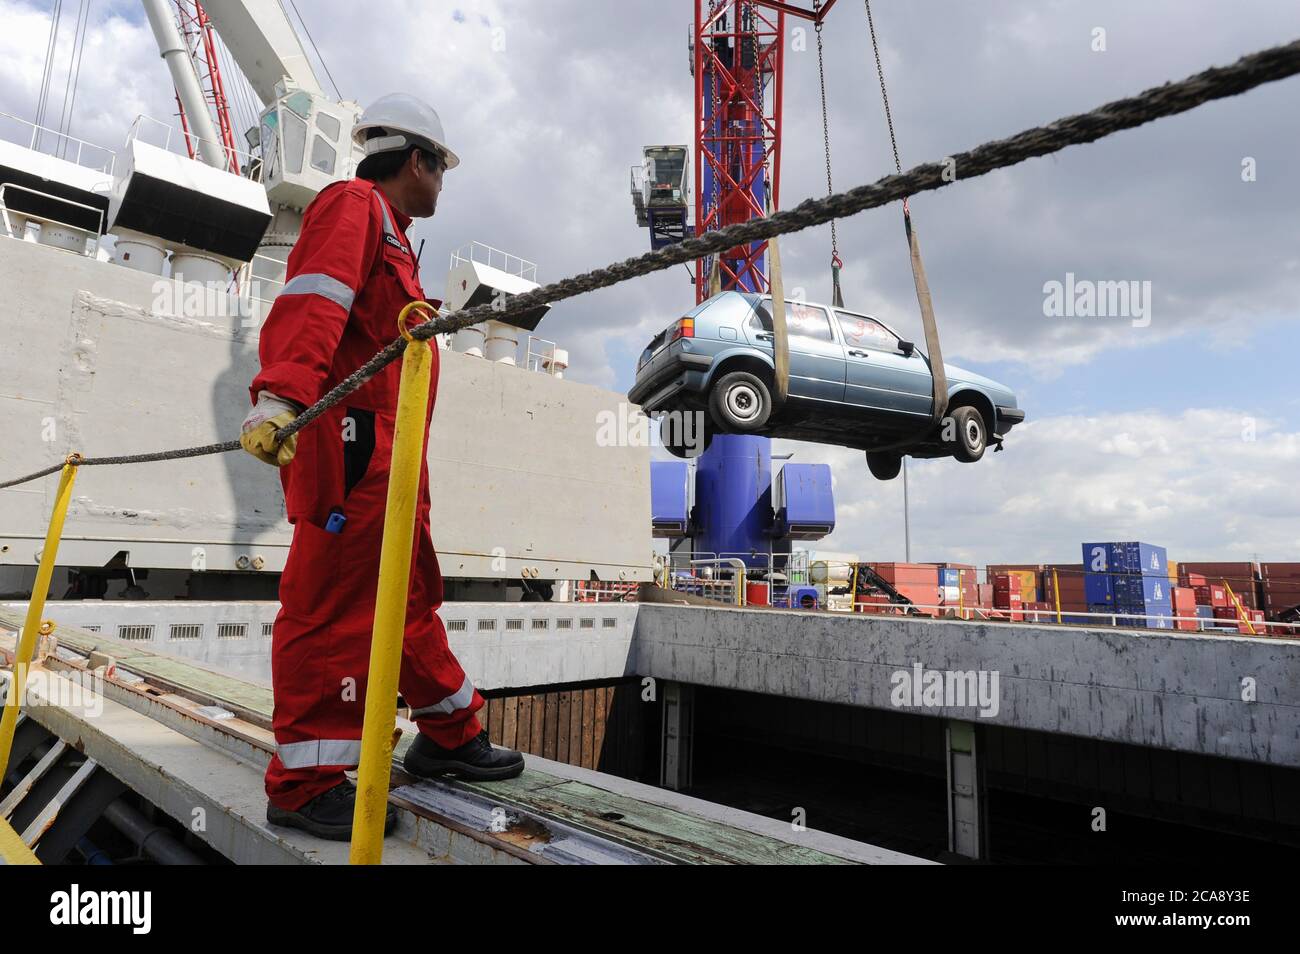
[(348, 276)]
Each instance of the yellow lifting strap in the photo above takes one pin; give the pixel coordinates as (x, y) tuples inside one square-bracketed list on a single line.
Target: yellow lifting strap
[(780, 334), (939, 376)]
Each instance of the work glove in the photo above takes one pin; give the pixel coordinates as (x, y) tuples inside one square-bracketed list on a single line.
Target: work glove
[(268, 415)]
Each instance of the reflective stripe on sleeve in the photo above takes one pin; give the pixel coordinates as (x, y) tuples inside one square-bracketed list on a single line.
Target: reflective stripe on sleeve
[(459, 699), (316, 283), (296, 755)]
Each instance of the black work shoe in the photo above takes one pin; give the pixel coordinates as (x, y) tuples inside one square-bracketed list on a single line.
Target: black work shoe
[(328, 815), (476, 759)]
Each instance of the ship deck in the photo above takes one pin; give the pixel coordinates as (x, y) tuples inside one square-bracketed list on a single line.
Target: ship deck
[(194, 742)]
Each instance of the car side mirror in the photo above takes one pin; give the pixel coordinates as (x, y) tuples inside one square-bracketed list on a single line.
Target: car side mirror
[(907, 348)]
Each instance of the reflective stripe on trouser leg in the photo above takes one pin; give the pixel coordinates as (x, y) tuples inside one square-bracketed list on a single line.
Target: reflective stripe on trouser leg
[(459, 699), (314, 752)]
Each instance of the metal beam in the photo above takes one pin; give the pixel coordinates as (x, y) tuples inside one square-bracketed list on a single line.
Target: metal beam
[(967, 804)]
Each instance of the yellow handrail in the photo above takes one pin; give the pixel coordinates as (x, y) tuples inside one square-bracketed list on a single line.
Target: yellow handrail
[(1056, 592), (26, 646), (1241, 611), (377, 733)]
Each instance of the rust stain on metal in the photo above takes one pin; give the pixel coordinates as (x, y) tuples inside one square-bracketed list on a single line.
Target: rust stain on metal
[(525, 832)]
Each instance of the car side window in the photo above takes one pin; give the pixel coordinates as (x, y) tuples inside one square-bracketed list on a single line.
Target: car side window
[(808, 321), (860, 332), (801, 320)]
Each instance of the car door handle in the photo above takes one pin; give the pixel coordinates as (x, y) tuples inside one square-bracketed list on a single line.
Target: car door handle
[(762, 337), (855, 353)]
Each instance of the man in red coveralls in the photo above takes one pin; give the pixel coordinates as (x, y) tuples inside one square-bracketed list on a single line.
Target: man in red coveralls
[(348, 276)]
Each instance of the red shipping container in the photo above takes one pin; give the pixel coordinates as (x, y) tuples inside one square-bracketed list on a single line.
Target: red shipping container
[(1192, 580), (1211, 595), (1279, 571), (1230, 612), (919, 582), (1184, 605), (1280, 595), (1006, 591), (1240, 576), (1031, 577), (1070, 578), (871, 603)]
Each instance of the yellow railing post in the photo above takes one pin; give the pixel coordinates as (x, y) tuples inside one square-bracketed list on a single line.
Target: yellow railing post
[(26, 646), (1056, 592), (390, 603), (1241, 610)]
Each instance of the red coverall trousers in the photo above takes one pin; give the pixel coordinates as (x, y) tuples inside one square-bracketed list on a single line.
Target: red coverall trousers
[(348, 276)]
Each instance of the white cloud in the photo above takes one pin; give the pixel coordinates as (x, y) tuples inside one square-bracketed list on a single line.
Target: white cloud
[(1187, 481)]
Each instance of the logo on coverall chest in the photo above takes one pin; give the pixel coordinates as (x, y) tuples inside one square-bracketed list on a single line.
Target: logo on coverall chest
[(395, 243)]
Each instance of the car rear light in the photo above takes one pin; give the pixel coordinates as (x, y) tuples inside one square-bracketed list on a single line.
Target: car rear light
[(683, 328)]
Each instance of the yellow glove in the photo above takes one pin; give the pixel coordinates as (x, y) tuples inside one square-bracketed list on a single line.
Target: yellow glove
[(258, 436)]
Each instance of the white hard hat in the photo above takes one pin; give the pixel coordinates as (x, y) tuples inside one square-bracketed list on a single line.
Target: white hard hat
[(404, 120)]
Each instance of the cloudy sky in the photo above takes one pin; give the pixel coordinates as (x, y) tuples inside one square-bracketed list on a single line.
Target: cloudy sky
[(1182, 432)]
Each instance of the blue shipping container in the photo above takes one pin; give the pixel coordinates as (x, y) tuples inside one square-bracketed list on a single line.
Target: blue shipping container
[(1144, 558), (948, 577), (1140, 611), (1135, 590), (1099, 588)]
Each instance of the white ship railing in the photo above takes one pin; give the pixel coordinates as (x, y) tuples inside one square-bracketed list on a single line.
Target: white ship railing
[(37, 135), (1217, 626), (542, 359), (250, 165), (487, 255)]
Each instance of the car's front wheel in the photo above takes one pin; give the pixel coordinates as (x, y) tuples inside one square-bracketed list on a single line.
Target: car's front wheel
[(740, 402), (884, 465), (969, 434)]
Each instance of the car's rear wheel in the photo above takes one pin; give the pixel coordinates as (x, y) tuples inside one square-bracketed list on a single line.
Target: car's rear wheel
[(968, 434), (884, 465), (740, 402)]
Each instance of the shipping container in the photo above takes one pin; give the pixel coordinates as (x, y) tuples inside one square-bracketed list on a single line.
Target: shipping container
[(1139, 590), (1099, 589), (1031, 577), (1211, 595), (1280, 587), (1006, 592), (1184, 604), (1240, 576), (1069, 576), (1126, 557)]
